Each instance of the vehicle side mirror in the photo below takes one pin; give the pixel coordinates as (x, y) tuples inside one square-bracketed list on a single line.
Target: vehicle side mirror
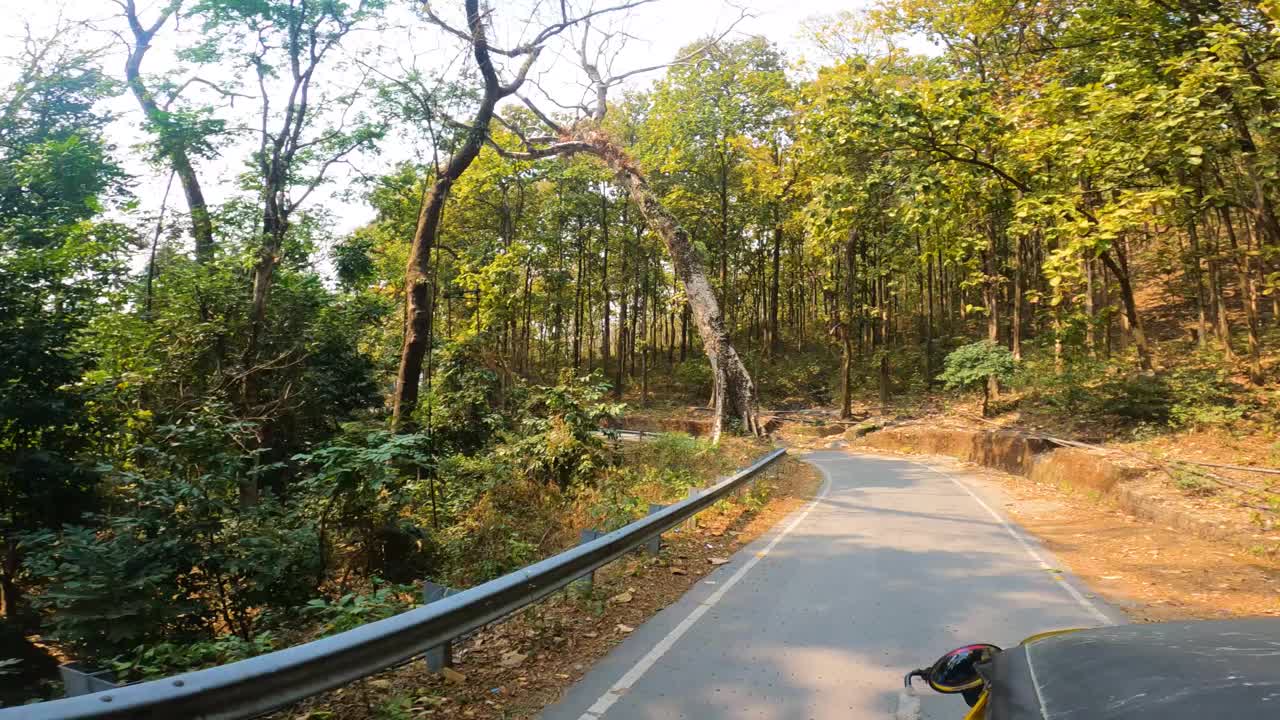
[(957, 671)]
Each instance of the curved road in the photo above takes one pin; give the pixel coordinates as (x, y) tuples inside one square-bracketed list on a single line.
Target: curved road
[(892, 564)]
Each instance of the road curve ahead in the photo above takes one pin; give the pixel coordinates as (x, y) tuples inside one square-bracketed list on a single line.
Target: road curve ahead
[(891, 565)]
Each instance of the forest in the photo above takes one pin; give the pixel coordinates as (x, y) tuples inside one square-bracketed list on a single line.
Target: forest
[(224, 416)]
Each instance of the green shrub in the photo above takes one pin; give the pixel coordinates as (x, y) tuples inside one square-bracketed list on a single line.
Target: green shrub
[(359, 488), (557, 440), (1182, 398), (1203, 397), (1135, 398), (970, 366), (1068, 392), (796, 378), (355, 609), (625, 493), (172, 572), (675, 449), (161, 659), (693, 377), (466, 400), (177, 554)]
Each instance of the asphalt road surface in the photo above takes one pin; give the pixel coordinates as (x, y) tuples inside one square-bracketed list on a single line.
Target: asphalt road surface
[(890, 566)]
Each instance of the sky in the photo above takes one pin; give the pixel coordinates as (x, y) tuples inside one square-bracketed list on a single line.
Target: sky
[(659, 30)]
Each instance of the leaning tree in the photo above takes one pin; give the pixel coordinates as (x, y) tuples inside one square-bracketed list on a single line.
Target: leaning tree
[(734, 394)]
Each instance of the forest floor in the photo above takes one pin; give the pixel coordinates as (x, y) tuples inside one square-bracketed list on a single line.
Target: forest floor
[(514, 668)]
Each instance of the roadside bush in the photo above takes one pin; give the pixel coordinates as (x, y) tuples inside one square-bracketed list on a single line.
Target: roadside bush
[(692, 378), (1203, 397), (508, 526), (1186, 397), (173, 572), (1069, 392), (466, 400), (355, 609), (675, 450), (624, 494), (147, 662), (1135, 398), (359, 490), (970, 366), (176, 556), (796, 379), (558, 440)]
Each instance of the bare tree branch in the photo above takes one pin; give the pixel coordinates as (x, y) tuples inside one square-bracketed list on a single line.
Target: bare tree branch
[(543, 35)]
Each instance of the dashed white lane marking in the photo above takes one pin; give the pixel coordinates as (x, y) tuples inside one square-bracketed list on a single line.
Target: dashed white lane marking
[(1016, 535), (628, 679)]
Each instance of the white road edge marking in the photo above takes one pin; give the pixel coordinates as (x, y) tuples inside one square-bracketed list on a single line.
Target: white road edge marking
[(624, 683), (1016, 535), (908, 706)]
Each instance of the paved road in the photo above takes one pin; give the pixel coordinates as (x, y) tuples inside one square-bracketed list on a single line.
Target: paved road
[(891, 565)]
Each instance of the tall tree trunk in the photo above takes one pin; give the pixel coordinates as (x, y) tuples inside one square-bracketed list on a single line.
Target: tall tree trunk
[(1248, 297), (1015, 303), (619, 383), (176, 152), (989, 297), (775, 340), (1090, 310), (417, 271), (845, 325), (1118, 266), (604, 282), (579, 277), (885, 381), (1197, 280), (928, 324), (684, 331), (10, 593), (1222, 322)]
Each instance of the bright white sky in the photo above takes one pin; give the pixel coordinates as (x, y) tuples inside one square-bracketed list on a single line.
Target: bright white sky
[(660, 29)]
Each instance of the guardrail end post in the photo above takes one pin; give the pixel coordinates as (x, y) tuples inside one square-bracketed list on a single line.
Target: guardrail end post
[(440, 656), (654, 544), (79, 679)]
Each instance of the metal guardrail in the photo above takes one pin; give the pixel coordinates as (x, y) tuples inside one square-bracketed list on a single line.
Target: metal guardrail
[(256, 686)]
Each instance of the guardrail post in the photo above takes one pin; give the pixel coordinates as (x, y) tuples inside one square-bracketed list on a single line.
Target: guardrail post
[(588, 581), (691, 524), (654, 545), (78, 679), (440, 656)]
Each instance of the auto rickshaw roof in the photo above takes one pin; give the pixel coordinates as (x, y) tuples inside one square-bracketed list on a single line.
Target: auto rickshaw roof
[(1169, 671)]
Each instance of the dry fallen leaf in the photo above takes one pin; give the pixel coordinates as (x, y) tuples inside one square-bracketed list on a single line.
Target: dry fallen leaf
[(512, 659), (718, 561), (625, 628)]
